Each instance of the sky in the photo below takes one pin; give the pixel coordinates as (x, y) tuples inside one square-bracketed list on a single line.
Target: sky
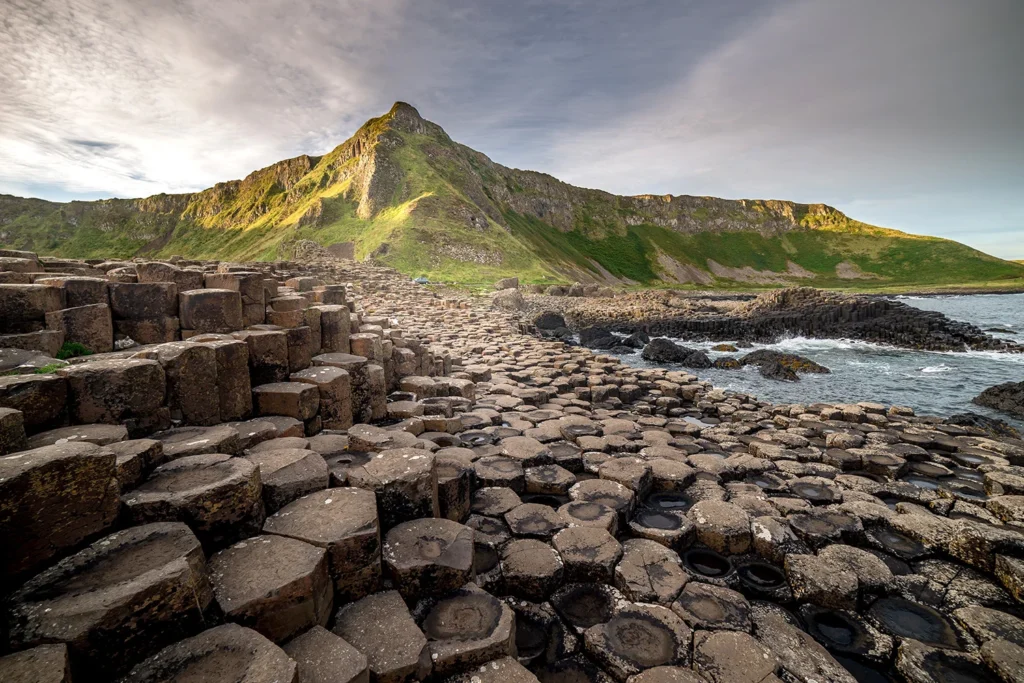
[(902, 113)]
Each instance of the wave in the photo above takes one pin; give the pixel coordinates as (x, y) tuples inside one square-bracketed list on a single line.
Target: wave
[(938, 368)]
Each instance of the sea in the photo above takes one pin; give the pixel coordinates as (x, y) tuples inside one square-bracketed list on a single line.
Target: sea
[(932, 383)]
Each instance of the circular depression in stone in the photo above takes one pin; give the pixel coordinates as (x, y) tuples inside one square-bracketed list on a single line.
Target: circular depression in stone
[(837, 631), (574, 431), (476, 438), (585, 604), (531, 636), (922, 482), (907, 619), (485, 558), (467, 616), (707, 562), (767, 481), (656, 519), (861, 672), (929, 469), (761, 576), (587, 511), (965, 488), (896, 543), (814, 493), (868, 475), (641, 639), (670, 500)]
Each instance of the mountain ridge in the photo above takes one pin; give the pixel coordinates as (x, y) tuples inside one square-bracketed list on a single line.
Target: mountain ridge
[(409, 195)]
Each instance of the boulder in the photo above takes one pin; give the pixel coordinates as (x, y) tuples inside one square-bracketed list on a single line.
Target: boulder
[(661, 350), (210, 310), (1007, 398)]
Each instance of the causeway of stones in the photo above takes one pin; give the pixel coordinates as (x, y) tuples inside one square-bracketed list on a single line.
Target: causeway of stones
[(501, 508)]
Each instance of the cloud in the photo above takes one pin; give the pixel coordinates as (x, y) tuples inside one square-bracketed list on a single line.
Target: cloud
[(906, 111)]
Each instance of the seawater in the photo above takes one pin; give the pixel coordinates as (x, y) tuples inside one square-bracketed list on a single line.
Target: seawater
[(933, 383)]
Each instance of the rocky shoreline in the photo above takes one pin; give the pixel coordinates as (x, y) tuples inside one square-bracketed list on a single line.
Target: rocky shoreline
[(769, 317), (373, 482)]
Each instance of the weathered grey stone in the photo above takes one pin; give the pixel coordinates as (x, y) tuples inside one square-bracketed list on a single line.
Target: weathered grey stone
[(288, 474), (119, 600), (275, 585), (323, 657), (381, 627), (51, 500), (41, 664), (405, 481)]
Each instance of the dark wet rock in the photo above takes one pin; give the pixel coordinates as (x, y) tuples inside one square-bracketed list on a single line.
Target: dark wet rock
[(598, 338), (663, 350), (381, 627), (575, 669), (992, 426), (846, 633), (787, 361), (1007, 398), (773, 369), (708, 566), (426, 557), (119, 600), (903, 618), (224, 654), (582, 605), (541, 635), (639, 637)]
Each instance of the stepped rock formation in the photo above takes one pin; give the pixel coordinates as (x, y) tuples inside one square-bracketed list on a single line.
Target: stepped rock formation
[(321, 471), (402, 191)]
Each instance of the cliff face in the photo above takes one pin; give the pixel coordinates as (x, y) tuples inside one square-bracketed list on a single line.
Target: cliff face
[(406, 193)]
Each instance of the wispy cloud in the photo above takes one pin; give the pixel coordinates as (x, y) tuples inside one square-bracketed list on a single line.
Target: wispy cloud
[(905, 111)]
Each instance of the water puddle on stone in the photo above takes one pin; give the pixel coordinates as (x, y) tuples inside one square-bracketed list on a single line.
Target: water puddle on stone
[(708, 563), (907, 619)]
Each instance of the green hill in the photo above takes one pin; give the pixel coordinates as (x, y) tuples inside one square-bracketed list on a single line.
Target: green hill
[(408, 195)]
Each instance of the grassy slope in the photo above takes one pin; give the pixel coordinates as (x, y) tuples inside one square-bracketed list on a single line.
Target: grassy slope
[(423, 226)]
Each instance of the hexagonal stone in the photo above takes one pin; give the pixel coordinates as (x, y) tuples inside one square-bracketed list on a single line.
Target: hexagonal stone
[(224, 654), (381, 627), (344, 521), (288, 474), (52, 499), (500, 471), (610, 493), (429, 556), (494, 501), (526, 451), (549, 479), (405, 481), (721, 526), (587, 513), (42, 664), (454, 483), (990, 624), (101, 435), (335, 387), (504, 670), (533, 520), (216, 495), (119, 600), (292, 399), (114, 391), (589, 553), (465, 629), (649, 572), (185, 441), (633, 473), (276, 585), (732, 657), (821, 582), (147, 300), (531, 568), (919, 663), (210, 310), (639, 637), (712, 608), (134, 459), (191, 371), (668, 674), (323, 657), (40, 399), (12, 431)]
